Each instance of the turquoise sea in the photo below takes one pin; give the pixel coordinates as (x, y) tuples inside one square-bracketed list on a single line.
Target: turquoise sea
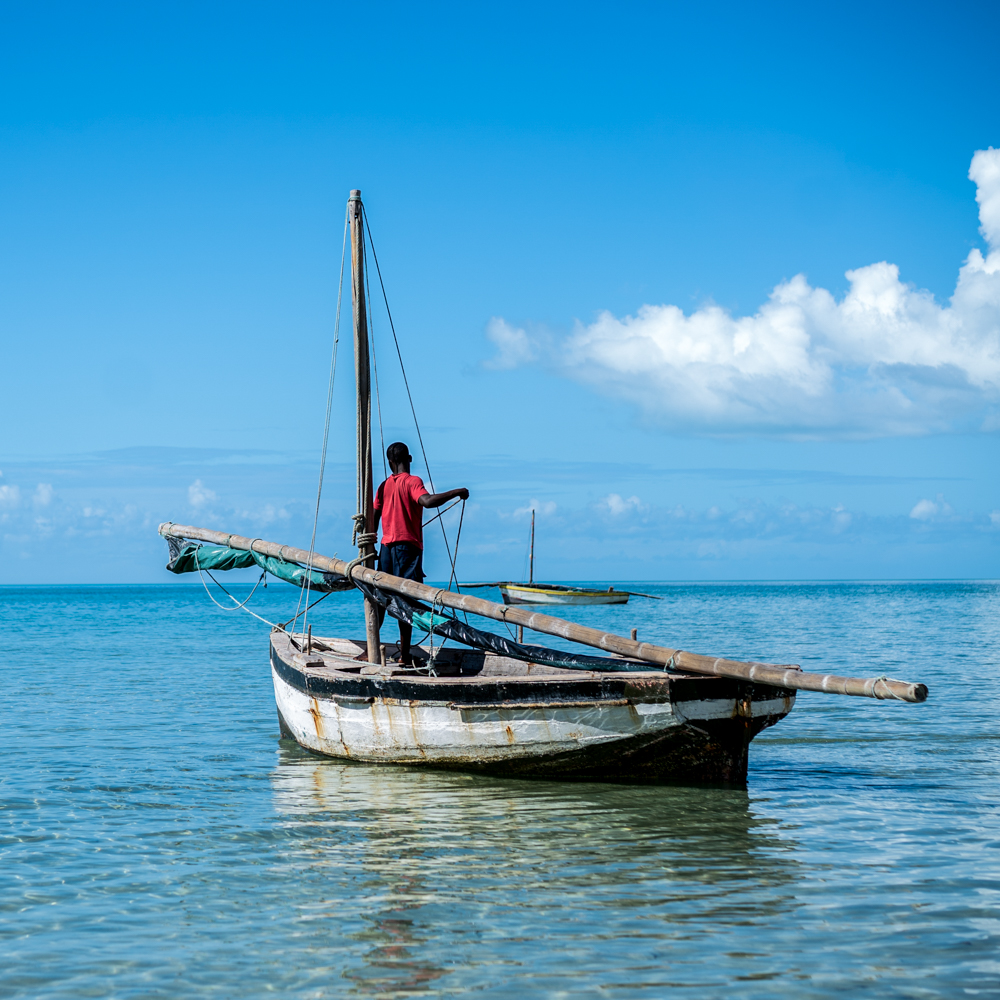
[(158, 839)]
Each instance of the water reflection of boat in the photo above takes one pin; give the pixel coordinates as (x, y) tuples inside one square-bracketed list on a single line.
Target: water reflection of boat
[(439, 882), (390, 820)]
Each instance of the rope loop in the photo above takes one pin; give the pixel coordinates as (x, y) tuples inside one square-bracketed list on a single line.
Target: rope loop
[(889, 693), (357, 561), (359, 527), (238, 607)]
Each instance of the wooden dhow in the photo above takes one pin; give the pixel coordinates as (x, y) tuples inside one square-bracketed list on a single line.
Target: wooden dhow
[(647, 712), (640, 712)]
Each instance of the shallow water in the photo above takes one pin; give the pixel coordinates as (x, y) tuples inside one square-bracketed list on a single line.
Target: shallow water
[(158, 840)]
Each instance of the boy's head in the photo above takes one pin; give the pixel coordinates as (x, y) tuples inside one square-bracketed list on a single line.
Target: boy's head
[(398, 454)]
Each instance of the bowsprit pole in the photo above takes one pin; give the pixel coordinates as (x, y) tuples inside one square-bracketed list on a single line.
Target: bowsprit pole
[(365, 523)]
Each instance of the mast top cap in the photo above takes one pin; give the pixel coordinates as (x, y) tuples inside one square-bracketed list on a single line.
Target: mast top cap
[(356, 193)]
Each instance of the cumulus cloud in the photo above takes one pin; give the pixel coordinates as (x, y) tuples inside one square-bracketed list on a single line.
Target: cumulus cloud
[(985, 172), (616, 506), (43, 494), (514, 346), (885, 359), (10, 496), (199, 496), (924, 510)]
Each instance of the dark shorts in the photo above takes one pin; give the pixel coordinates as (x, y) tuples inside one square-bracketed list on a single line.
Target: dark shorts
[(402, 559)]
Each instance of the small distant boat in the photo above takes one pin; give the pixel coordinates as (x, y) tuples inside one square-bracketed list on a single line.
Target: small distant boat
[(551, 593)]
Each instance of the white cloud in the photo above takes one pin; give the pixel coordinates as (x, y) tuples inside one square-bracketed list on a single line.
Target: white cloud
[(985, 172), (616, 506), (199, 496), (886, 359), (926, 509), (43, 494), (545, 509), (514, 346), (10, 496), (841, 517)]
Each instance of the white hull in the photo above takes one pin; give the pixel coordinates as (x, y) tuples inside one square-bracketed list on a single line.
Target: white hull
[(436, 733), (543, 721)]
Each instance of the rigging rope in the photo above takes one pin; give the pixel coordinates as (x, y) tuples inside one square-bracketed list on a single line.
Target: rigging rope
[(243, 607), (450, 506), (360, 537), (458, 538), (326, 424), (409, 396), (238, 606), (284, 625), (371, 341)]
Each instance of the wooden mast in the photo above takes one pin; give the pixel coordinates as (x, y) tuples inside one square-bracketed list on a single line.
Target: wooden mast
[(366, 493), (531, 557)]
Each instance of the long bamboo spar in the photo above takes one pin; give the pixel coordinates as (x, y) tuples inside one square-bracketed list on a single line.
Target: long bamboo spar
[(786, 676)]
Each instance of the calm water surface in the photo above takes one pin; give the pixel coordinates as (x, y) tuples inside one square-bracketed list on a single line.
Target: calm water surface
[(157, 839)]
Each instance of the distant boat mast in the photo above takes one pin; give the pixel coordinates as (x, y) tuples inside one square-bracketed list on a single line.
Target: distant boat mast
[(531, 556)]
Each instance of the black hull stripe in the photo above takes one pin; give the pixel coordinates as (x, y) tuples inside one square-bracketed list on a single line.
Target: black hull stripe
[(610, 688)]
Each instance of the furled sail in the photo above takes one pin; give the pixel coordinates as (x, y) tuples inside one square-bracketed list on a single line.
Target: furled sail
[(189, 557)]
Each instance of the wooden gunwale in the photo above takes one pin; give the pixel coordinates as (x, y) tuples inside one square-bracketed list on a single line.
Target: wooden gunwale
[(784, 675), (557, 689)]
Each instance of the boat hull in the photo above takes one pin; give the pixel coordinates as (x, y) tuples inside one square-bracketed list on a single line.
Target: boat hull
[(624, 727), (545, 595)]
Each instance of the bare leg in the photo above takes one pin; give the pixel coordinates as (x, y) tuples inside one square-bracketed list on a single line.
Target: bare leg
[(405, 637)]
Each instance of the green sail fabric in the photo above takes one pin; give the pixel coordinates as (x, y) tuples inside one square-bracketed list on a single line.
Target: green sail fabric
[(189, 557), (193, 557)]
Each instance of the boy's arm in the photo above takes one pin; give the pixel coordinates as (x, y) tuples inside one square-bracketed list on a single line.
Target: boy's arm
[(437, 499)]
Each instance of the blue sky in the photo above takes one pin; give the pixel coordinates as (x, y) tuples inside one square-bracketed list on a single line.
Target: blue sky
[(616, 241)]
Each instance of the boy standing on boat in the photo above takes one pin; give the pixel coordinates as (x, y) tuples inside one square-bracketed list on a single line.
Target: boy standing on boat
[(399, 505)]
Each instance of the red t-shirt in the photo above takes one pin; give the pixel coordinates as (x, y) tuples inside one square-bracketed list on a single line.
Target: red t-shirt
[(402, 516)]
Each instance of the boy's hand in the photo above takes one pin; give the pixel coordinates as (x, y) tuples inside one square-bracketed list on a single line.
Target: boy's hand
[(437, 499)]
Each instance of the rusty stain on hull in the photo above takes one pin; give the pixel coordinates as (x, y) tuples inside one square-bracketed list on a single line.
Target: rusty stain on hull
[(317, 718)]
